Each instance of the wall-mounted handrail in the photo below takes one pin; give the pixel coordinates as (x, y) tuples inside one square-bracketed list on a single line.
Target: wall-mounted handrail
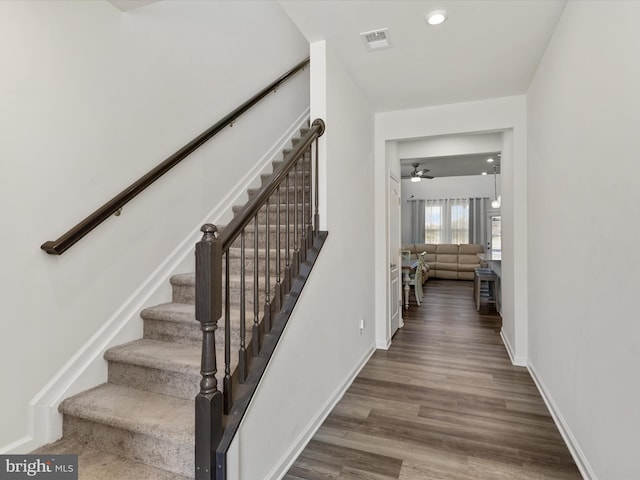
[(69, 238)]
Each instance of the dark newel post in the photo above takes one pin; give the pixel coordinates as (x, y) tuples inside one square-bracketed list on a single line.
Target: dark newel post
[(208, 428)]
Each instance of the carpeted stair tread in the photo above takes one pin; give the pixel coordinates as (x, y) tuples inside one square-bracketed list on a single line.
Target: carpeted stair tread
[(170, 356), (139, 411), (96, 464), (171, 312)]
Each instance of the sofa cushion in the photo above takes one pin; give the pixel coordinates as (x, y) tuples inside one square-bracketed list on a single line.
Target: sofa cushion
[(446, 258), (452, 267), (471, 248), (469, 259), (447, 248)]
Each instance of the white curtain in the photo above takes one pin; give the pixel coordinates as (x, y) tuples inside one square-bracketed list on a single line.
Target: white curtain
[(447, 220)]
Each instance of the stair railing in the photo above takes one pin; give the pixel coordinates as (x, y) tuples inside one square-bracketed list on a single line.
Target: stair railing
[(300, 231), (114, 206)]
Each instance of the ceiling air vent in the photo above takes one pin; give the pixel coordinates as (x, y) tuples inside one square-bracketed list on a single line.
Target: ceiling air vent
[(377, 39)]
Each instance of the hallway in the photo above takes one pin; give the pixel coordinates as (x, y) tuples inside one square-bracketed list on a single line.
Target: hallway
[(444, 402)]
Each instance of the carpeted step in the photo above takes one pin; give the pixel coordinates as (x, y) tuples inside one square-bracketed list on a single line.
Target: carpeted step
[(95, 464), (149, 428), (162, 367), (172, 322)]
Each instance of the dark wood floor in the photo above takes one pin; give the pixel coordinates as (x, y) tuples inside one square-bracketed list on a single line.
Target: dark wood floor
[(444, 402)]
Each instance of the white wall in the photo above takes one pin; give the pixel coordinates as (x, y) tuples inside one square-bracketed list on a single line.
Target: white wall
[(322, 348), (584, 119), (501, 114), (91, 99), (451, 145)]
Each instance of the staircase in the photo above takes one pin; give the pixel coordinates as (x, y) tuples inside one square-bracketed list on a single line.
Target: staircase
[(140, 424)]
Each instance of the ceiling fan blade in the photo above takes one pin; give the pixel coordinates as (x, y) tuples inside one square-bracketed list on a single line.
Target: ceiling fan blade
[(422, 172)]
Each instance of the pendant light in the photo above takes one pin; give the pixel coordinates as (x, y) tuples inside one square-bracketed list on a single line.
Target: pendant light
[(497, 199)]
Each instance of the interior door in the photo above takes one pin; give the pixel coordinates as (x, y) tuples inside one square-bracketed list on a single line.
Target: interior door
[(395, 286)]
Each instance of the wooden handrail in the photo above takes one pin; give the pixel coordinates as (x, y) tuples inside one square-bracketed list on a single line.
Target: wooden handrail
[(69, 238)]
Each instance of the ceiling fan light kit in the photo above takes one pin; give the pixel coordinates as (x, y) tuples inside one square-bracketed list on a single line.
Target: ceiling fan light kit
[(418, 175)]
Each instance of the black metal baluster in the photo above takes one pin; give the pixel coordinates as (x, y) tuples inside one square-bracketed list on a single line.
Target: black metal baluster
[(227, 392), (277, 295), (266, 322), (296, 250), (316, 216), (287, 268), (209, 402), (303, 239), (309, 227), (255, 338), (242, 360)]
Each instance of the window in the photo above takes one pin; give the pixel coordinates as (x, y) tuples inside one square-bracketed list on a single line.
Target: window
[(447, 221), (433, 223)]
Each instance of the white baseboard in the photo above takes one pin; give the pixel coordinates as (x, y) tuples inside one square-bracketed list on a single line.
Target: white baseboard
[(87, 368), (284, 464), (516, 360), (576, 452), (383, 345)]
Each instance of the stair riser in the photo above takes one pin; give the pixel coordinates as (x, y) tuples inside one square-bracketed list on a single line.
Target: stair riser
[(163, 331), (179, 385), (160, 453)]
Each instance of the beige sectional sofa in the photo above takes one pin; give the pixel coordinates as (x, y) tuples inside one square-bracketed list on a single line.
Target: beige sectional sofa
[(448, 260)]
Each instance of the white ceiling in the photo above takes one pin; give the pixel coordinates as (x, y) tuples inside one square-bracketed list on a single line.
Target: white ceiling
[(485, 49), (453, 165)]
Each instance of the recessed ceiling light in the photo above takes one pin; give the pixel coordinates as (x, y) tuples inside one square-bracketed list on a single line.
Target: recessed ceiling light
[(489, 160), (436, 17), (484, 173)]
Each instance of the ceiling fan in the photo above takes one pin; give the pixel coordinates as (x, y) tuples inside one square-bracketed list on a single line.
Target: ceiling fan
[(418, 175)]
